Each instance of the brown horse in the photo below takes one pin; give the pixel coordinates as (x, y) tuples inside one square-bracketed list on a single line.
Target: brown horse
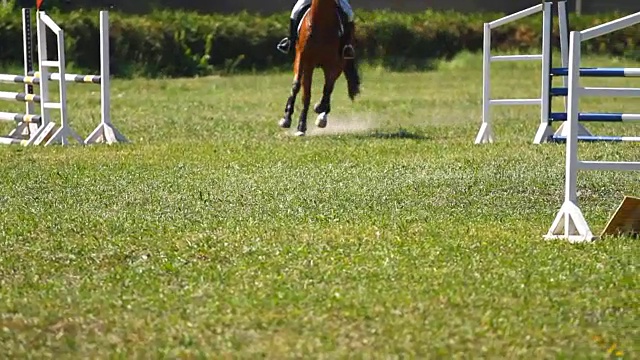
[(319, 45)]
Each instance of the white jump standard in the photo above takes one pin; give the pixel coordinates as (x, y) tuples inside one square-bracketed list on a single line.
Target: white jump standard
[(545, 132), (39, 128), (570, 223), (30, 128), (485, 134), (64, 132), (105, 132)]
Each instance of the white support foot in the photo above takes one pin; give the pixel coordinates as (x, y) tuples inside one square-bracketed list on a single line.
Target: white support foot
[(105, 133), (30, 134), (543, 134), (564, 130), (485, 135), (23, 130), (62, 135), (43, 134), (570, 225)]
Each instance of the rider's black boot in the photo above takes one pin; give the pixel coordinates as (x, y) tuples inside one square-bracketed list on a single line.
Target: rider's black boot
[(288, 43), (348, 52)]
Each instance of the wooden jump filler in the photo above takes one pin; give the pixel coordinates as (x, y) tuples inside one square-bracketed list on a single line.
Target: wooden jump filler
[(626, 219)]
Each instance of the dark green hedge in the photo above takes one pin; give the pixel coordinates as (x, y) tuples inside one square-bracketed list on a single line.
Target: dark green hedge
[(187, 44)]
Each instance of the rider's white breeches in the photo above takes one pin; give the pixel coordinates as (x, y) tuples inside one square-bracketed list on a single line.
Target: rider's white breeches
[(344, 4)]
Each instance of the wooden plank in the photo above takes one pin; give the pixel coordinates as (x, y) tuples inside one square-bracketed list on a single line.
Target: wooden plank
[(626, 219)]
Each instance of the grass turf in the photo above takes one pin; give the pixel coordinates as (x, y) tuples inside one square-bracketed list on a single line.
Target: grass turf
[(217, 234)]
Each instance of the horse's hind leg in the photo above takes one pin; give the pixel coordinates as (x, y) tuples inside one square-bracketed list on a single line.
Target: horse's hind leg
[(307, 77), (285, 122), (323, 108)]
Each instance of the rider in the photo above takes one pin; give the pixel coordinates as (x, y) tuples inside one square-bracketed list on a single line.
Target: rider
[(287, 43)]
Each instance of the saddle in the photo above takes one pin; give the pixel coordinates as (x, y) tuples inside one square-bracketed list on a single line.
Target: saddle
[(342, 18)]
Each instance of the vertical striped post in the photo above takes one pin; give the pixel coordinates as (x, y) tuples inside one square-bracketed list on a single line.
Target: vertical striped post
[(36, 131), (28, 54), (26, 129)]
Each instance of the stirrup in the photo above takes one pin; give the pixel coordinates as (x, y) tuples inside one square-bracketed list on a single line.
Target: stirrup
[(348, 52), (284, 46)]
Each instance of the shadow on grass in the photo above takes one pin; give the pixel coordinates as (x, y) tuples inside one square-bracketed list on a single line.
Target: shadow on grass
[(399, 134)]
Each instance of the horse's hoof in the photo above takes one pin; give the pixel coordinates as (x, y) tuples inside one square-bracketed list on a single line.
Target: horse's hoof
[(321, 121), (299, 133), (285, 123)]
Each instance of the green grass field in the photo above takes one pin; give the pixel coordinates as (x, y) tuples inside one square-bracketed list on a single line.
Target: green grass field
[(389, 234)]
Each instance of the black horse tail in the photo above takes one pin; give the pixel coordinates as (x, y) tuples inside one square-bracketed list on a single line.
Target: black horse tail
[(353, 78)]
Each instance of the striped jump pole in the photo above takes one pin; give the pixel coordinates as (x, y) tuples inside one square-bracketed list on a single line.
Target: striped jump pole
[(4, 95), (599, 91), (19, 79), (599, 72), (26, 118), (584, 134), (75, 78), (563, 139), (33, 78), (37, 134), (13, 141), (598, 117)]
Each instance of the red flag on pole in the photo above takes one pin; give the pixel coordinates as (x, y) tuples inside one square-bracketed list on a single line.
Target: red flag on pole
[(39, 3)]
